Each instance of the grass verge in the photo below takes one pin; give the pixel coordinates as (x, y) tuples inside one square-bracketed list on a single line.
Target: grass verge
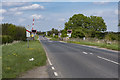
[(54, 39), (0, 62), (15, 58), (101, 45)]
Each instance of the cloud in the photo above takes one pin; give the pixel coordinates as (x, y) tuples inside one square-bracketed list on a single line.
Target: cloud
[(100, 3), (98, 13), (2, 11), (18, 13), (60, 0), (89, 0), (28, 1), (62, 19), (1, 18), (21, 20), (116, 12), (12, 3), (29, 7), (37, 16)]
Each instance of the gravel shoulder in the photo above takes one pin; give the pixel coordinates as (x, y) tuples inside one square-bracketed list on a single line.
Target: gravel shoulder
[(37, 72)]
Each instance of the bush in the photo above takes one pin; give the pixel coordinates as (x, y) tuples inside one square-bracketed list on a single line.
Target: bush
[(111, 37), (56, 36), (6, 39), (12, 32)]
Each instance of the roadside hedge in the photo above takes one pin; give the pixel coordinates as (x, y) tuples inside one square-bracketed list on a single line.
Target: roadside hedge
[(12, 32), (6, 39)]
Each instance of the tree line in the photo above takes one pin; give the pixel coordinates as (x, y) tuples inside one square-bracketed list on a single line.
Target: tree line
[(12, 32), (85, 26)]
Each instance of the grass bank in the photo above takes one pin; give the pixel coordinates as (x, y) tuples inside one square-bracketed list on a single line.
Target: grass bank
[(101, 45), (54, 39), (15, 58), (0, 62), (113, 46)]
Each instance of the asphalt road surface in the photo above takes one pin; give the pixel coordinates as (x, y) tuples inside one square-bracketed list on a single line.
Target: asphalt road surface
[(69, 60)]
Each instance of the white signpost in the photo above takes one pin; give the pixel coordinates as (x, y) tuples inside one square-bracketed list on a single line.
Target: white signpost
[(69, 34), (83, 38), (27, 34), (46, 33), (59, 35), (53, 34)]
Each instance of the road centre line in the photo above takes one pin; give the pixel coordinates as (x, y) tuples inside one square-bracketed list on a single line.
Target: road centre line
[(91, 53), (53, 68), (55, 73), (107, 60), (85, 52)]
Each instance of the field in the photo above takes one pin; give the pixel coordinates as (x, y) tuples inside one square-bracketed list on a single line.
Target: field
[(17, 58)]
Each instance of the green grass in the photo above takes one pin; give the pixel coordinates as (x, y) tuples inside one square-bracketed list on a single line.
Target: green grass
[(0, 62), (15, 58), (101, 45), (36, 37), (54, 39)]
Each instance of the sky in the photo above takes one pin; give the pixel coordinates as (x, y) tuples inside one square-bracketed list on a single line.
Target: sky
[(52, 14), (59, 0)]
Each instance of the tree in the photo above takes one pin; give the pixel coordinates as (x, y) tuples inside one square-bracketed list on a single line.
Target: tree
[(87, 26), (97, 24), (12, 32), (64, 33)]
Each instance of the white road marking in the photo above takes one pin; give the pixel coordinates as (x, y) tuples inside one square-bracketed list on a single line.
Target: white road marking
[(49, 61), (46, 54), (107, 60), (55, 73), (91, 53), (53, 68), (85, 53)]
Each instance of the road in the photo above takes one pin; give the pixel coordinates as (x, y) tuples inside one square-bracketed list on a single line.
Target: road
[(69, 60)]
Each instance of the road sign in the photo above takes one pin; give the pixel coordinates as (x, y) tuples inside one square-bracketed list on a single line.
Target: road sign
[(27, 33), (34, 31), (28, 36), (69, 34), (69, 31)]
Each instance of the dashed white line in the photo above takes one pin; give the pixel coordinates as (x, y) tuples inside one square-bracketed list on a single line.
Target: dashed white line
[(85, 53), (53, 68), (91, 53), (55, 73), (107, 60)]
